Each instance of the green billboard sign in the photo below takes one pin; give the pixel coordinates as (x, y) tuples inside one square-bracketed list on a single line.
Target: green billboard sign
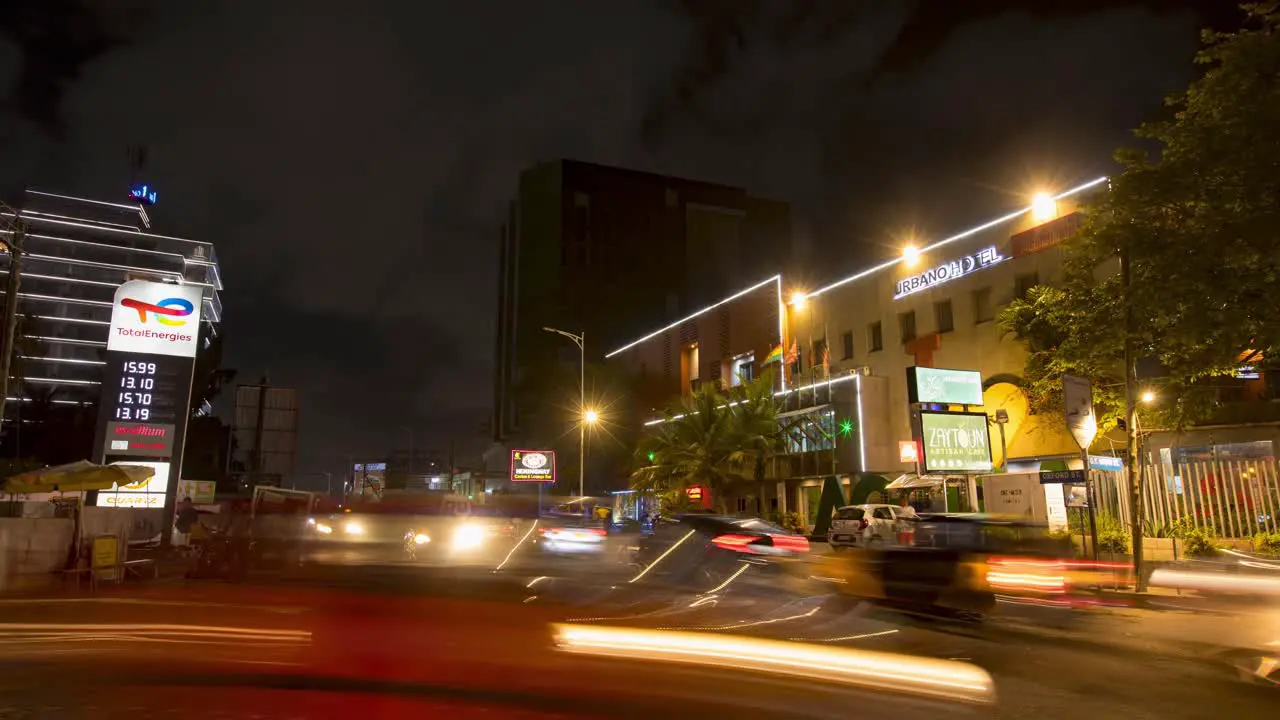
[(955, 442), (944, 387)]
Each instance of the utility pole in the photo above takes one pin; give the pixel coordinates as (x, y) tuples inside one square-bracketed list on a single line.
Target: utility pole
[(1131, 427), (584, 414), (17, 234), (451, 459)]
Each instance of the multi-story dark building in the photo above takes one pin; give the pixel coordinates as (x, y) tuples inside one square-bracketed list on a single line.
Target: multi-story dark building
[(76, 253), (602, 251)]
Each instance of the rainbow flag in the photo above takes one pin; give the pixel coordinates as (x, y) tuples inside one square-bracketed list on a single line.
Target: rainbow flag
[(774, 355)]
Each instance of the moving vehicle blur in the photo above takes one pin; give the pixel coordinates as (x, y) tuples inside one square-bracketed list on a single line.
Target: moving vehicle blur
[(418, 527), (960, 564), (567, 536), (706, 550)]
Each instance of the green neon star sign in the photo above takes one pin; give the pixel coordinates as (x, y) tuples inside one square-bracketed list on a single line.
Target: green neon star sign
[(846, 427)]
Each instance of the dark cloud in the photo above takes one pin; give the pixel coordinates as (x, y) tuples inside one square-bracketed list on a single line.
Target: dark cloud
[(351, 161)]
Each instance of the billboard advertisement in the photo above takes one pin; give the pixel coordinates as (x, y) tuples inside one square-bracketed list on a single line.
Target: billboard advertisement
[(156, 319), (944, 387), (139, 439), (201, 492), (537, 466), (955, 442), (149, 493)]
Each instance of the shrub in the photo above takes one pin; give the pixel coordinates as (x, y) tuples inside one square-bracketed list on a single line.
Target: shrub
[(1267, 543), (1198, 542), (1113, 541)]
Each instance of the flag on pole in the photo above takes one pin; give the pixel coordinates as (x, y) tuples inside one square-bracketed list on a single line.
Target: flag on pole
[(794, 353), (826, 360), (775, 355)]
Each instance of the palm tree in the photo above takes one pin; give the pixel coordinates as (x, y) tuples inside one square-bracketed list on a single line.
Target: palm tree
[(698, 445), (759, 432), (714, 440)]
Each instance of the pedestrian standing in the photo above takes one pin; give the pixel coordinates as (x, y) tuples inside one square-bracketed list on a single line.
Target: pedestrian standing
[(187, 517)]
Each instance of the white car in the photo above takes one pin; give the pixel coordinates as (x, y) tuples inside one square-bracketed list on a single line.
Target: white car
[(860, 525), (572, 539)]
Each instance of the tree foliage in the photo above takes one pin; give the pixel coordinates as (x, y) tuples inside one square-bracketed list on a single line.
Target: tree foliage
[(714, 439), (1200, 223)]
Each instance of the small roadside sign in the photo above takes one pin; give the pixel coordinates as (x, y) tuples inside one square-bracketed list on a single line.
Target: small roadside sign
[(1052, 477)]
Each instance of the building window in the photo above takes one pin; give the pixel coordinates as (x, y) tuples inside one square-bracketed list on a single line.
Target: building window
[(983, 311), (875, 336), (689, 370), (847, 340), (744, 370), (907, 325), (819, 351), (942, 314), (1022, 284)]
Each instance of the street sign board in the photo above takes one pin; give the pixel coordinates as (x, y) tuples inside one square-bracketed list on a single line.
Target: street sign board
[(536, 466), (1106, 462), (1083, 424), (1048, 477)]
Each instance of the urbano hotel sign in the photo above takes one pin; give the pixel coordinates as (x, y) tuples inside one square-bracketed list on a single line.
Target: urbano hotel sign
[(947, 272)]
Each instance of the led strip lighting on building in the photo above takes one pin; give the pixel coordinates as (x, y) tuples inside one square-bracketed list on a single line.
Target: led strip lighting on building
[(958, 236), (858, 275), (735, 296), (780, 393)]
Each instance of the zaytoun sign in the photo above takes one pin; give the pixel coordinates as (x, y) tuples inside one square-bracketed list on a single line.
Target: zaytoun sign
[(948, 271)]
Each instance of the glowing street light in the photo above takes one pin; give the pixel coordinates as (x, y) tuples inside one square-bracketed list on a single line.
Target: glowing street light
[(1043, 207), (591, 417), (911, 255), (799, 299), (1148, 397)]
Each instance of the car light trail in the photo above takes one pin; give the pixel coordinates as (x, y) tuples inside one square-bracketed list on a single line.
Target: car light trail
[(725, 584), (669, 550), (515, 547), (863, 636), (903, 673), (756, 623)]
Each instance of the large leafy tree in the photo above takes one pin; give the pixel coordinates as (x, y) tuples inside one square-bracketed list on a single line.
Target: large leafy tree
[(1199, 222)]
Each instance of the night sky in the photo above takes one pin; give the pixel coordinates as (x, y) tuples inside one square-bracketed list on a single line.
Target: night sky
[(351, 161)]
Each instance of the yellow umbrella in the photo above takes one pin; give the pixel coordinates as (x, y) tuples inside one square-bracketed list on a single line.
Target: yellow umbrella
[(81, 475)]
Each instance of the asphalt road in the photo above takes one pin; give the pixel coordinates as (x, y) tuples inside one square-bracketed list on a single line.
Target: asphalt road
[(408, 640)]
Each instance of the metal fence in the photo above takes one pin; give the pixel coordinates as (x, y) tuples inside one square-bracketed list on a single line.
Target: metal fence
[(1232, 499)]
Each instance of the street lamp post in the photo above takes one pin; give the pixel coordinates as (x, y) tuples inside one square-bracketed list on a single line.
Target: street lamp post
[(587, 416)]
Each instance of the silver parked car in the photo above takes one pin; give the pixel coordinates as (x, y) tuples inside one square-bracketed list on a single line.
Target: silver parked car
[(861, 525)]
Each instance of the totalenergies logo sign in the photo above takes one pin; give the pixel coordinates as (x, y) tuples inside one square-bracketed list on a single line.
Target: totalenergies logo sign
[(156, 318), (166, 312)]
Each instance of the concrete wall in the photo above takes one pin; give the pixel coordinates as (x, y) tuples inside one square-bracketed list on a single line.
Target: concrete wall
[(40, 545), (33, 545)]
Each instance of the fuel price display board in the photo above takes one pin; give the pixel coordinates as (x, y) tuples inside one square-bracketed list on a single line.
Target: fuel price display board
[(145, 388)]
